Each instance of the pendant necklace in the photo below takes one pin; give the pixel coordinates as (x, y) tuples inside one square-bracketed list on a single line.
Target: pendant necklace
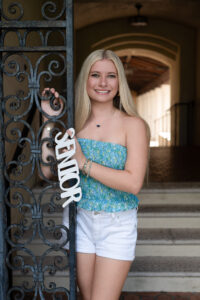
[(99, 125)]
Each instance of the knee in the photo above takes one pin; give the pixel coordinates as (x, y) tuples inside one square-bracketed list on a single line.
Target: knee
[(85, 296)]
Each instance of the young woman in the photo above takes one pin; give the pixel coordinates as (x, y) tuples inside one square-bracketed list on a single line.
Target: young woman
[(112, 152)]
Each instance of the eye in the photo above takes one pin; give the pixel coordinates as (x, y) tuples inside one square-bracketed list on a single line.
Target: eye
[(112, 75), (96, 75)]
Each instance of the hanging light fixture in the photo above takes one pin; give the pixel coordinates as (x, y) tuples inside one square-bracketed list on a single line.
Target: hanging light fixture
[(138, 20)]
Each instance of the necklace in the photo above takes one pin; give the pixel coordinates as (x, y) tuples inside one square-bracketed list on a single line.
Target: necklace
[(108, 119)]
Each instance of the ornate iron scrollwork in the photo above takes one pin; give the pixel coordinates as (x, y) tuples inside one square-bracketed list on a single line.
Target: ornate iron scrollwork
[(14, 12), (51, 12), (34, 235)]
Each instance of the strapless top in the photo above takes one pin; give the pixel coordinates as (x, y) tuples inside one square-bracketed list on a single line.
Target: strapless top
[(95, 195)]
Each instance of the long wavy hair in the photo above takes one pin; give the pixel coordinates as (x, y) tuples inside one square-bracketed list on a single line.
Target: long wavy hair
[(123, 100)]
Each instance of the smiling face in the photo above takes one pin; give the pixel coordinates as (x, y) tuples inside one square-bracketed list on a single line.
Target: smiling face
[(102, 83)]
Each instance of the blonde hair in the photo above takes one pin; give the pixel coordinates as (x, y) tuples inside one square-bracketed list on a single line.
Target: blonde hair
[(82, 100)]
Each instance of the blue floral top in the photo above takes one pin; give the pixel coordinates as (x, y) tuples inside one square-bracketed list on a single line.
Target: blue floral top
[(95, 195)]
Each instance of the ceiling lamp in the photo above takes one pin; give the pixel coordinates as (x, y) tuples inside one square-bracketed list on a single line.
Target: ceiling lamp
[(138, 20)]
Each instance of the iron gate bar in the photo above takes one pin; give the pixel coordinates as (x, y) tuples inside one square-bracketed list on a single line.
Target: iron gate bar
[(3, 250), (70, 120), (3, 269), (33, 24), (35, 49)]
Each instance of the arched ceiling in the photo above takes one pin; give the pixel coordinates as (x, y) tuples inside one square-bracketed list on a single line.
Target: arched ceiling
[(87, 12), (144, 73)]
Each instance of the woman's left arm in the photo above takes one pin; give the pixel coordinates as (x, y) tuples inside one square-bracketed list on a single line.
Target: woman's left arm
[(131, 178)]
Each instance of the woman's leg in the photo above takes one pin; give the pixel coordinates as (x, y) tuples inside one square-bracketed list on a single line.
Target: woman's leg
[(108, 278), (85, 273)]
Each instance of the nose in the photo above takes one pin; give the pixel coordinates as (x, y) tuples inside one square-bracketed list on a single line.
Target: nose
[(103, 81)]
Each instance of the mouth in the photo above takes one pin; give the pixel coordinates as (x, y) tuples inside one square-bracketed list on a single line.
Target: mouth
[(102, 92)]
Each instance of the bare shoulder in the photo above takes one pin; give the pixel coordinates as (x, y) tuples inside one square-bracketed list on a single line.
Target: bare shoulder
[(136, 131), (134, 124)]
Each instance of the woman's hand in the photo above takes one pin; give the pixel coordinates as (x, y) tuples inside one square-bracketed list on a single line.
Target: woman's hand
[(51, 107)]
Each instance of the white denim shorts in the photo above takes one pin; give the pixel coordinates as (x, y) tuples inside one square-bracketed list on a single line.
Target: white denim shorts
[(111, 235)]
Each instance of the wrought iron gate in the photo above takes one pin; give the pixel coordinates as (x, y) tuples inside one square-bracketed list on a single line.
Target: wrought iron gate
[(36, 46)]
